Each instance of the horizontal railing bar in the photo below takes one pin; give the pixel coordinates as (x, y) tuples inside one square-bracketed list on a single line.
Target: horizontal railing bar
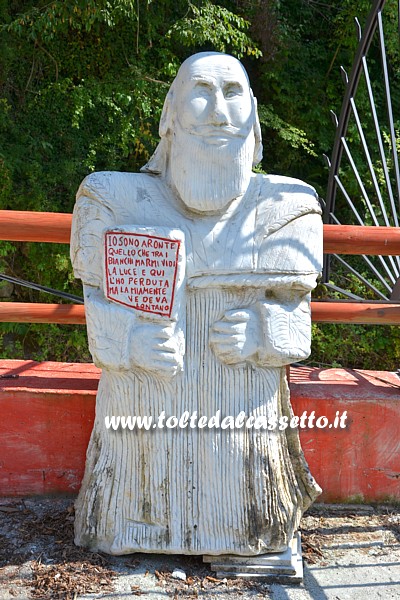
[(26, 226), (377, 313), (25, 312), (356, 239)]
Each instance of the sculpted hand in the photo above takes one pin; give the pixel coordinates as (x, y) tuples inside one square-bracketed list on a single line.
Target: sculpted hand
[(158, 349), (235, 338)]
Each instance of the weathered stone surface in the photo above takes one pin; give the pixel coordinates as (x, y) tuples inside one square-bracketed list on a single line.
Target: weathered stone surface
[(250, 250)]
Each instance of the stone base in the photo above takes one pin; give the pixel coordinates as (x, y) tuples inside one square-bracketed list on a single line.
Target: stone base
[(280, 567)]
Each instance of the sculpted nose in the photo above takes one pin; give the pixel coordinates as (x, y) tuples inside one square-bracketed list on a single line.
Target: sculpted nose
[(219, 110)]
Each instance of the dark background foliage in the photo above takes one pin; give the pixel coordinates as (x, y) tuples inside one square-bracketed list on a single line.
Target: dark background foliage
[(82, 83)]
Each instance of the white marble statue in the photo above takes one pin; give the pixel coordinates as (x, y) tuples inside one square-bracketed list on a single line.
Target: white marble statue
[(212, 334)]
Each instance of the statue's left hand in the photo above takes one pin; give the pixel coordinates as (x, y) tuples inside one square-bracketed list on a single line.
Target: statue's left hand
[(236, 337)]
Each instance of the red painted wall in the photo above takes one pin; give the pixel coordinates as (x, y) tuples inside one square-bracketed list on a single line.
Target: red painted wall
[(47, 415), (46, 418), (361, 462)]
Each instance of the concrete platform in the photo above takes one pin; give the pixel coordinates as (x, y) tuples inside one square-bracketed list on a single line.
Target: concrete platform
[(279, 567)]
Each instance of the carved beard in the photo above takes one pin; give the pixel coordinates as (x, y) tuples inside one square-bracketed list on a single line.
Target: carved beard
[(208, 176)]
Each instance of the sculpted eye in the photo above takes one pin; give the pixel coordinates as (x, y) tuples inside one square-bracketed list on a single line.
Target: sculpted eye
[(202, 87), (233, 89)]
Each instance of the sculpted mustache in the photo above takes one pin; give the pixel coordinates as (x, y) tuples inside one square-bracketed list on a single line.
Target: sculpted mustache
[(224, 130)]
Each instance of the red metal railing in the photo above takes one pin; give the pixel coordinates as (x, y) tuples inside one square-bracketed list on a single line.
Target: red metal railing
[(338, 239)]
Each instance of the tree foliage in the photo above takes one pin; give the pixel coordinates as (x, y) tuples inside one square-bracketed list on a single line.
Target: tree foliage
[(82, 84)]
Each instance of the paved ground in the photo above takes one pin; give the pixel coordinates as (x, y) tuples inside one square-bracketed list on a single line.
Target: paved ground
[(350, 553)]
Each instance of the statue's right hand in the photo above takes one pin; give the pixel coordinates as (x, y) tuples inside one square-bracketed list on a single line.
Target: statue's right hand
[(158, 349)]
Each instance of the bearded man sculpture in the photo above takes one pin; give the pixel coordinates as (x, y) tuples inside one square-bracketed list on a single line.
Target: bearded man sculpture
[(210, 337)]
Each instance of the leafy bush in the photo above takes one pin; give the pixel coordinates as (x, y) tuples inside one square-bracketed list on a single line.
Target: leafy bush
[(375, 347)]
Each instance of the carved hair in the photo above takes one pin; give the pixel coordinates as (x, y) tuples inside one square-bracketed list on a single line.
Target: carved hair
[(158, 161)]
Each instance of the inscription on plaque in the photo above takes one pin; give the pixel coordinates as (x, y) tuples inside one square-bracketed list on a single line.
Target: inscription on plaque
[(141, 271)]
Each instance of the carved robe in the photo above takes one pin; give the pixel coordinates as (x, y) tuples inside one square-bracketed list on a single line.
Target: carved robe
[(199, 491)]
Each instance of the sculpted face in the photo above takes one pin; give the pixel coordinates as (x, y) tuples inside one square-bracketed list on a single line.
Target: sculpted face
[(210, 133), (210, 125), (214, 100)]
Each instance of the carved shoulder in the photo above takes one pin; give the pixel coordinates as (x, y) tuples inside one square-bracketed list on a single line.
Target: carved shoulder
[(286, 197), (112, 189), (290, 226), (105, 199)]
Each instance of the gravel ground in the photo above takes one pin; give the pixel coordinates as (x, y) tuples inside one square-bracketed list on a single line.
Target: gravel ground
[(350, 552)]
